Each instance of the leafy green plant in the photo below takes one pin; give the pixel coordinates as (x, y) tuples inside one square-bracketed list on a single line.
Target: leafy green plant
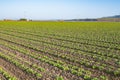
[(7, 75), (87, 77), (103, 78), (94, 79), (59, 78)]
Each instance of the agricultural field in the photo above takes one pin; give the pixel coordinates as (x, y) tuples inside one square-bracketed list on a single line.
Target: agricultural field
[(59, 50)]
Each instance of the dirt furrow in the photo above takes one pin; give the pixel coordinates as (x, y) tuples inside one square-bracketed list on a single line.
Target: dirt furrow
[(21, 75)]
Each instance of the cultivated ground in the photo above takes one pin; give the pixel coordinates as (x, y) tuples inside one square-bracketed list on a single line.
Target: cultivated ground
[(59, 50)]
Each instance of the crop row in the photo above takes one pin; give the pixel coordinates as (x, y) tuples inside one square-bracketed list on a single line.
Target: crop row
[(105, 44), (95, 66), (21, 59), (21, 66), (73, 69), (34, 54), (7, 75), (88, 48)]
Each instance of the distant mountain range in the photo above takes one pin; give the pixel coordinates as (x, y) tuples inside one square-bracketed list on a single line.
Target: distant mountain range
[(116, 16)]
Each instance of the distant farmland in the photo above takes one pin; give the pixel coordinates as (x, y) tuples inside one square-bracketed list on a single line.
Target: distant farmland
[(59, 50)]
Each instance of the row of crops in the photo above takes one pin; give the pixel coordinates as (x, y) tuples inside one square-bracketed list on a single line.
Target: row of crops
[(60, 50)]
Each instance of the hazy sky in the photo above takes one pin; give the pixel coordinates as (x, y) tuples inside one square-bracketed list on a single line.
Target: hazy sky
[(58, 9)]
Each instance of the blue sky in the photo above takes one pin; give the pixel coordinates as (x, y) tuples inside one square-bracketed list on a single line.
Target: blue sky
[(58, 9)]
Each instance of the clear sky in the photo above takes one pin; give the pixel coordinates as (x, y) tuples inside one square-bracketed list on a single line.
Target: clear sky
[(58, 9)]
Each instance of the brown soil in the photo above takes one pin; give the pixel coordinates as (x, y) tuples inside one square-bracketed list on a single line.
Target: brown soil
[(15, 70), (2, 77)]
